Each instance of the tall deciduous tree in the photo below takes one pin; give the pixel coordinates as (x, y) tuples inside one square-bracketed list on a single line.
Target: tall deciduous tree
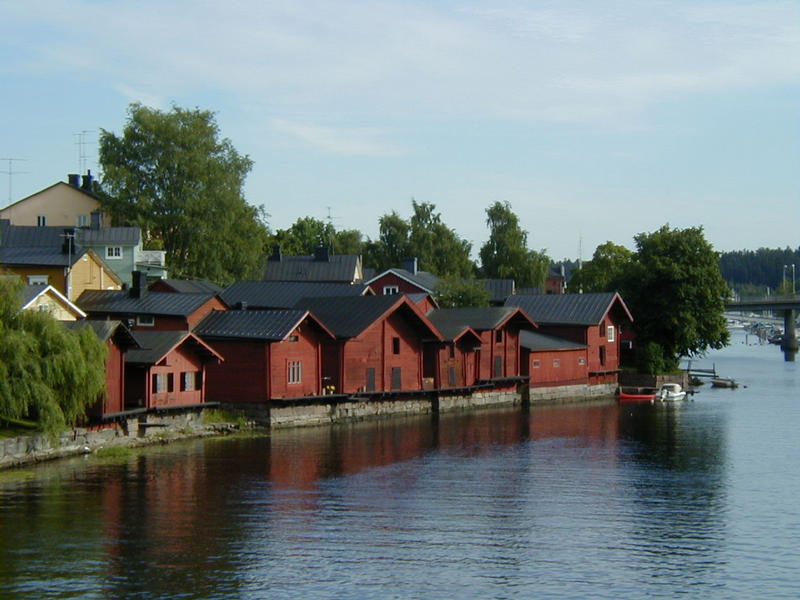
[(308, 233), (676, 293), (606, 271), (47, 372), (453, 292), (505, 255), (171, 174)]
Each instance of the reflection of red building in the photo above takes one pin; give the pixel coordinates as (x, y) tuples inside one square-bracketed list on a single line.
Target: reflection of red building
[(268, 354), (169, 370)]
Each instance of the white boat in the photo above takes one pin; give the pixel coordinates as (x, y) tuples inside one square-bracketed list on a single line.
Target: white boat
[(670, 392)]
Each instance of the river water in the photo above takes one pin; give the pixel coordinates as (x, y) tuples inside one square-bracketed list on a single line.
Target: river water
[(700, 500)]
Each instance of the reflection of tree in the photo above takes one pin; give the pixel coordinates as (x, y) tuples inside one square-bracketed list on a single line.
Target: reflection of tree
[(676, 472)]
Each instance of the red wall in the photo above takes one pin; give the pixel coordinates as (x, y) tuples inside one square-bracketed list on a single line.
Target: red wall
[(507, 349), (113, 400), (392, 279), (307, 350), (139, 381), (568, 372)]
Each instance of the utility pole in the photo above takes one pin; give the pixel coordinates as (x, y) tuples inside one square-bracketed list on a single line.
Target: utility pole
[(11, 172)]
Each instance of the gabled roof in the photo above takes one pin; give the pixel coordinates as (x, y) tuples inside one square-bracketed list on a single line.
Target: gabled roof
[(107, 329), (265, 325), (498, 289), (31, 292), (117, 236), (424, 280), (479, 319), (31, 236), (155, 345), (190, 286), (348, 316), (40, 257), (285, 294), (538, 342), (153, 303), (568, 309), (57, 184), (343, 268)]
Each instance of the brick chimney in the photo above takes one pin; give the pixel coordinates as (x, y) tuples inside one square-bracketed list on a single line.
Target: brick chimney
[(139, 287)]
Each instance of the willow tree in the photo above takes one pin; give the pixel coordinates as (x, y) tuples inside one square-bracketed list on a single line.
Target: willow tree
[(171, 174), (47, 372)]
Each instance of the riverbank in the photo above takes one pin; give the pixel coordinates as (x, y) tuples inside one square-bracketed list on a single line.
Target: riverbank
[(163, 428)]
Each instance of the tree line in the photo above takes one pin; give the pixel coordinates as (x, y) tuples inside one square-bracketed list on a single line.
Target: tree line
[(171, 174), (752, 272)]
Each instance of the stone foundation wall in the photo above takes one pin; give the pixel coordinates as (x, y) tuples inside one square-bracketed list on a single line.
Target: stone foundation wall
[(563, 394)]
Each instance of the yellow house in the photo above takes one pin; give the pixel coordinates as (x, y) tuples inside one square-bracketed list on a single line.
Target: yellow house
[(62, 204), (47, 299), (70, 274)]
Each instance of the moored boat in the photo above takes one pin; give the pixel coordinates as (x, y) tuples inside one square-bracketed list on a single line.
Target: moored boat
[(724, 382), (636, 395), (670, 392)]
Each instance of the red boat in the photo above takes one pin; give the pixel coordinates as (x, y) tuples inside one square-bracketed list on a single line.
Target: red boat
[(636, 396)]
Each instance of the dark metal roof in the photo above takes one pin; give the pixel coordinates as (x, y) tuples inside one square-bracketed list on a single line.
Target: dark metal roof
[(422, 279), (566, 309), (285, 294), (155, 345), (348, 316), (533, 340), (117, 236), (192, 286), (29, 236), (153, 303), (106, 329), (39, 256), (498, 289), (338, 267), (479, 319), (268, 325)]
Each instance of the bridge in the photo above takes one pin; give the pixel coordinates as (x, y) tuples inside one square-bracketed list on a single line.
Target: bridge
[(788, 304)]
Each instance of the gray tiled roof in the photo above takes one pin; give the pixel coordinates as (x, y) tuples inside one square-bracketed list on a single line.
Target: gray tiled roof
[(564, 309), (268, 325), (338, 267), (285, 294), (533, 340), (479, 319), (153, 303)]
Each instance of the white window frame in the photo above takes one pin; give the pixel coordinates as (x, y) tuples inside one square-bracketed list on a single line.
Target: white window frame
[(113, 252), (294, 372), (41, 220), (581, 361), (83, 220), (145, 320), (391, 290), (37, 279), (610, 333)]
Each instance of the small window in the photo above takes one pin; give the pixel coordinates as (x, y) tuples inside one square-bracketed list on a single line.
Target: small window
[(581, 361), (395, 345), (113, 252), (83, 220), (292, 338), (610, 333), (602, 355), (536, 364), (159, 383), (452, 350), (498, 336), (170, 383), (556, 363), (146, 320), (295, 374), (389, 290), (41, 220), (188, 380), (602, 330), (37, 279)]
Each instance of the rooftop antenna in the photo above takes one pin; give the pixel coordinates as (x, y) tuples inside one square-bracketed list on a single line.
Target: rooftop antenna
[(580, 259), (330, 222), (81, 144), (11, 172)]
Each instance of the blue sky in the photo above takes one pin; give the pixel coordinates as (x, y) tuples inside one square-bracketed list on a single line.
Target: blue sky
[(594, 120)]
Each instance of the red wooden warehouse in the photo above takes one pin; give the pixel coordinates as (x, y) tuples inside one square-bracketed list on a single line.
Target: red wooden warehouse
[(268, 354)]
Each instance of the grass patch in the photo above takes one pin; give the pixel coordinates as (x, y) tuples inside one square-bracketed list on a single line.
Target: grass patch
[(216, 415), (14, 427)]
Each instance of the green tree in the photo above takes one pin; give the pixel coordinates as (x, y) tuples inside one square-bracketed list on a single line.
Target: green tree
[(47, 372), (171, 175), (606, 271), (505, 255), (454, 292), (676, 293), (307, 234)]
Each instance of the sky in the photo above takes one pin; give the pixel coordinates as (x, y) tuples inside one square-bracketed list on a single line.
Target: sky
[(595, 120)]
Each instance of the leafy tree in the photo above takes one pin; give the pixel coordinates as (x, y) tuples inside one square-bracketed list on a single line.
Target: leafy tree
[(46, 371), (308, 233), (676, 293), (171, 175), (505, 255), (751, 272), (437, 248), (453, 292), (605, 272)]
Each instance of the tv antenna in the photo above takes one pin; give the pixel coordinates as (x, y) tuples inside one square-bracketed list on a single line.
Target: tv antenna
[(11, 172), (81, 144), (330, 222)]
